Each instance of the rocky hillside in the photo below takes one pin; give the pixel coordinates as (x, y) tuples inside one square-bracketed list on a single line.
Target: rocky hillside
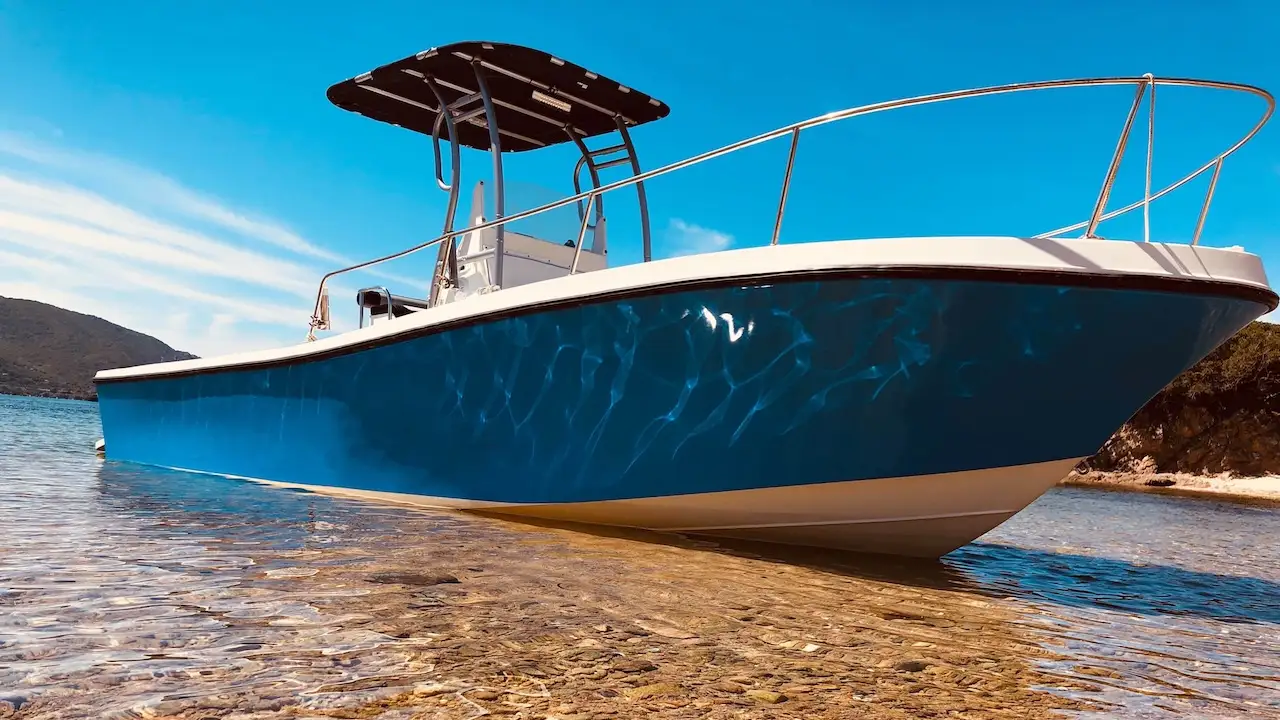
[(1223, 415), (51, 352)]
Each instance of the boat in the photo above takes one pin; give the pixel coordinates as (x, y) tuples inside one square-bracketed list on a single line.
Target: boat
[(895, 395)]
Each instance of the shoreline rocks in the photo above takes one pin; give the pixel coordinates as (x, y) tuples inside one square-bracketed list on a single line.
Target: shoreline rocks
[(1221, 416), (1221, 486)]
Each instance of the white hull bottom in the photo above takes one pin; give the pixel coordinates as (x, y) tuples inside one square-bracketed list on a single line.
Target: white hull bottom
[(922, 516)]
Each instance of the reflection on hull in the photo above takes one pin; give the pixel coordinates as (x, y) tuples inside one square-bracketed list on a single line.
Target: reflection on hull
[(853, 412)]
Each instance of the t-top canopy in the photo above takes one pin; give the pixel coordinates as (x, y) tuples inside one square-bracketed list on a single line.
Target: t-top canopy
[(535, 95)]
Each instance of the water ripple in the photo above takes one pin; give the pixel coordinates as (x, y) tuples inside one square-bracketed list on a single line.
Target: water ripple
[(121, 588), (1167, 603)]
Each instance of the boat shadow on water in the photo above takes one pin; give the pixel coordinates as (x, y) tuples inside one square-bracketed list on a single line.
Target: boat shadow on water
[(286, 519), (1000, 571)]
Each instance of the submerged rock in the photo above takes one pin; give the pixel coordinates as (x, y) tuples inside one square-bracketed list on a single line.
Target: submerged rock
[(728, 687), (396, 578), (634, 666), (654, 690), (433, 689), (768, 697)]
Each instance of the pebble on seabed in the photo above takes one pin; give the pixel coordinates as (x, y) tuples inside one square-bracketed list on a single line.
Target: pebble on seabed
[(617, 628), (605, 627), (129, 594)]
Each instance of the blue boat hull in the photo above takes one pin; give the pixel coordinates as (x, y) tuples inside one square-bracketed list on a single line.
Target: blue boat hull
[(710, 390)]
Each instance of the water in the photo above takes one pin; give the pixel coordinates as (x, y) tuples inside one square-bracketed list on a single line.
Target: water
[(125, 591), (1167, 599)]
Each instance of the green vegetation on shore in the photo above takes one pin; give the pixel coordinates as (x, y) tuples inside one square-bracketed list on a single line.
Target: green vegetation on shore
[(1221, 415)]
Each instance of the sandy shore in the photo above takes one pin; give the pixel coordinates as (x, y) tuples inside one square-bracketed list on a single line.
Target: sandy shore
[(1227, 486)]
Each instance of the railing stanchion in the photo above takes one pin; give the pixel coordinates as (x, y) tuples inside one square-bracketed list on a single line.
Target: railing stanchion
[(582, 234), (1204, 209), (786, 185), (1151, 142), (1109, 180)]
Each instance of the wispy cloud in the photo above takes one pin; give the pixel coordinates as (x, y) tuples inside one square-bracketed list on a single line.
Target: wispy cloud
[(685, 238), (97, 235), (158, 189)]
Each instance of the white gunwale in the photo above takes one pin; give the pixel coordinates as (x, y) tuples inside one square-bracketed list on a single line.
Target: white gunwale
[(1087, 257)]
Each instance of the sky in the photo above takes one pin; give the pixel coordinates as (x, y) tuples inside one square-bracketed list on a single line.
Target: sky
[(177, 169)]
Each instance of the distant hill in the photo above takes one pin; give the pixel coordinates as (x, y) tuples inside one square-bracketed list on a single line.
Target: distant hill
[(51, 352)]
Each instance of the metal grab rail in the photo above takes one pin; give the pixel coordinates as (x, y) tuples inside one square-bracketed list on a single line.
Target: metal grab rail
[(794, 130)]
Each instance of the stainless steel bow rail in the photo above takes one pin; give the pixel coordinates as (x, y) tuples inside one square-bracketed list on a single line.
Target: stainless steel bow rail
[(1143, 84)]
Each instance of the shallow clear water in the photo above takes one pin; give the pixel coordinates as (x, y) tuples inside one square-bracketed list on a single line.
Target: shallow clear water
[(137, 584), (1179, 598)]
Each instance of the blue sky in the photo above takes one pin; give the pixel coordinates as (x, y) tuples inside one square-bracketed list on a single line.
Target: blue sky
[(175, 167)]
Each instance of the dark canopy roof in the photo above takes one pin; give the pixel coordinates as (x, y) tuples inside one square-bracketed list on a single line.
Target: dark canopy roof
[(397, 93)]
